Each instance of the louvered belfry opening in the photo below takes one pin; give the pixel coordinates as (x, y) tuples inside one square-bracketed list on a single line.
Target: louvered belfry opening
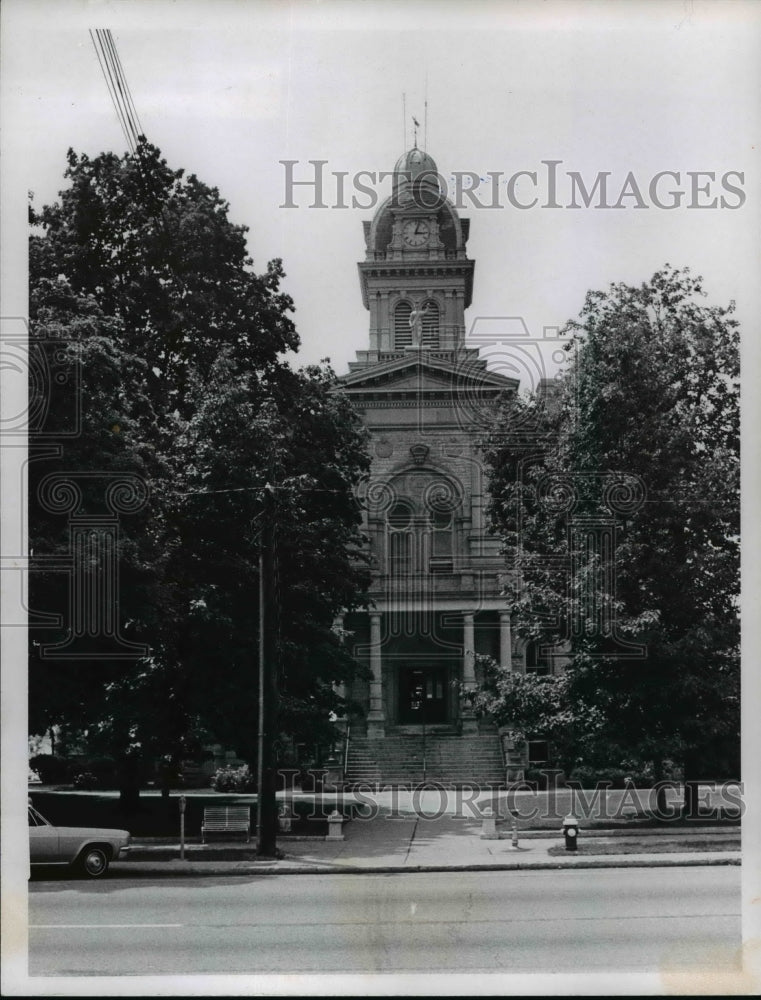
[(402, 328), (430, 336)]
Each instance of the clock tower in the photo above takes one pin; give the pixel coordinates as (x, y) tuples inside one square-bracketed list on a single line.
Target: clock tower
[(438, 577), (416, 267)]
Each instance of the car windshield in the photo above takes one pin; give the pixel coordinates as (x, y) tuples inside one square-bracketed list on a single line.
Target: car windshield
[(35, 819)]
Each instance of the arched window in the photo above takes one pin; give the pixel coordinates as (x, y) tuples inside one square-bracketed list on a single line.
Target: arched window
[(400, 515), (421, 523), (402, 328), (430, 336), (400, 539)]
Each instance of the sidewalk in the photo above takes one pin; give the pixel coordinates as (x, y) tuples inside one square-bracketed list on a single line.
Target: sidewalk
[(410, 844)]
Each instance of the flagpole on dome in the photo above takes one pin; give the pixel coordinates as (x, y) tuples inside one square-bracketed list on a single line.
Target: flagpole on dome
[(425, 117)]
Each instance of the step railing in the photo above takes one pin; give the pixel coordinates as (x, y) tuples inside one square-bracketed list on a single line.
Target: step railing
[(347, 737)]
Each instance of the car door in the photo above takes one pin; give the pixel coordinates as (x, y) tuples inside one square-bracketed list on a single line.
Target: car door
[(43, 840)]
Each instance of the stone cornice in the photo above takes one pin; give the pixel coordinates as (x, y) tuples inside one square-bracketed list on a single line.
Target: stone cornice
[(400, 270)]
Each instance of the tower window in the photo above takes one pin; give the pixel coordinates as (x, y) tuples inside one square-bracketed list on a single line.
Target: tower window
[(431, 325), (402, 328)]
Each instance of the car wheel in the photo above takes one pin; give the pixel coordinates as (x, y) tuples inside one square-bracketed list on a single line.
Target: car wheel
[(93, 862)]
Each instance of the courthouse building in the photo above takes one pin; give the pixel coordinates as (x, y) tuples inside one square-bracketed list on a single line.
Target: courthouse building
[(438, 576)]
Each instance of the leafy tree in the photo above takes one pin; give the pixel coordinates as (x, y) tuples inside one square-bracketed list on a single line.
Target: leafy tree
[(118, 436), (536, 704), (299, 443), (157, 251), (643, 431), (148, 288)]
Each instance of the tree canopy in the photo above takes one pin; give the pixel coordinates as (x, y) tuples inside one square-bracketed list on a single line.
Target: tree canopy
[(617, 495), (157, 251), (140, 281)]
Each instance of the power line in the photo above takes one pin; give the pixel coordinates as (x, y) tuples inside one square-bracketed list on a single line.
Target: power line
[(106, 71), (130, 102), (122, 85), (118, 88), (114, 87)]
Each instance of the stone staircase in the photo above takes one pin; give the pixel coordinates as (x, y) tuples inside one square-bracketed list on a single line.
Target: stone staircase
[(409, 759)]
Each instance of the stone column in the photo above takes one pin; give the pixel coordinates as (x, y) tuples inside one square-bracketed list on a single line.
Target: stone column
[(469, 723), (376, 716), (374, 303), (505, 641), (385, 325)]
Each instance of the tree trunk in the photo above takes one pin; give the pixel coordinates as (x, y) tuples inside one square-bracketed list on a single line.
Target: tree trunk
[(167, 770)]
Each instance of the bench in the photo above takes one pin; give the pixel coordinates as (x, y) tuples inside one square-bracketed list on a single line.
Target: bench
[(226, 819)]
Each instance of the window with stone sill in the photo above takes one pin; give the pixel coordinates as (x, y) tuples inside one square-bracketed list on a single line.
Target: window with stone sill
[(535, 662), (400, 553), (400, 538), (441, 523), (420, 523), (538, 752)]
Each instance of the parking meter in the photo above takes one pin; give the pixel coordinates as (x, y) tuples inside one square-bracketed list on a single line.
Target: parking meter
[(570, 830)]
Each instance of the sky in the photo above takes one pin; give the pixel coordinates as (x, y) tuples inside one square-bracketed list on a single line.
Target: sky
[(228, 90)]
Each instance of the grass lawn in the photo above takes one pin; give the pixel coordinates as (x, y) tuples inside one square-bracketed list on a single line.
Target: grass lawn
[(651, 845)]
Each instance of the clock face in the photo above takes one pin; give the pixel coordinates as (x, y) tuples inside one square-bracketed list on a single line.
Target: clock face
[(416, 232)]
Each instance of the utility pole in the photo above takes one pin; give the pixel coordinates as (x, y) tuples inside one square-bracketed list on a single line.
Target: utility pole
[(266, 801)]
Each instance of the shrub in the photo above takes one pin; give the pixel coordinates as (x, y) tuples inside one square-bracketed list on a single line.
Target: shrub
[(233, 779), (86, 780), (100, 769), (636, 773), (51, 769)]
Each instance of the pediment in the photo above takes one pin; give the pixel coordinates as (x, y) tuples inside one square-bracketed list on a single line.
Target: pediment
[(416, 374), (418, 380)]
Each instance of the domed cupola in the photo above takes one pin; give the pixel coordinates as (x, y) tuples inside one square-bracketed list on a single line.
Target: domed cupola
[(416, 177), (416, 278)]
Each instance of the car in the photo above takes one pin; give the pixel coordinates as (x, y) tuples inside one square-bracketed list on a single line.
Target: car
[(87, 850)]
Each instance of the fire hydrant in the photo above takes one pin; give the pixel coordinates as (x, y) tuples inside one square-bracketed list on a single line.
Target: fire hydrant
[(570, 830)]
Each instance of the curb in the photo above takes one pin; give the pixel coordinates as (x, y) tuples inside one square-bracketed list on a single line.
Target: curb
[(661, 861)]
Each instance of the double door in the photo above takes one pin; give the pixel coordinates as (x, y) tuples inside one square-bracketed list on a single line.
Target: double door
[(423, 695)]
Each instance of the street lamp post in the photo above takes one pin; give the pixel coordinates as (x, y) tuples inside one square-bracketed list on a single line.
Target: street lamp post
[(266, 800)]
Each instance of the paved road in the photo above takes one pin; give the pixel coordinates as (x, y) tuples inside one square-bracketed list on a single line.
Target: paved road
[(630, 920)]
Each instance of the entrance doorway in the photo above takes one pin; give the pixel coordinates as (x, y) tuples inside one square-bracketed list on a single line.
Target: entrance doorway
[(423, 695)]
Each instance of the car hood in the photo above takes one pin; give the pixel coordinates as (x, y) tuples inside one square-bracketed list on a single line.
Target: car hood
[(92, 831)]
